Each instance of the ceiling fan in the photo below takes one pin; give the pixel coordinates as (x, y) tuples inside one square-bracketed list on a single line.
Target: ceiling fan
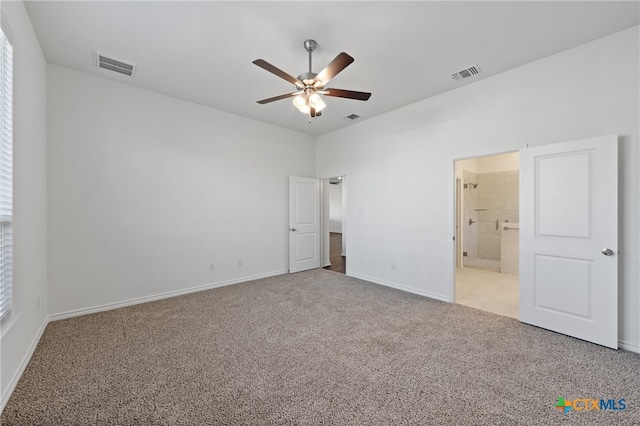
[(311, 85)]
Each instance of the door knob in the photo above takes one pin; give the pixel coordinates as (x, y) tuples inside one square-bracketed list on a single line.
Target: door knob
[(292, 229), (607, 252)]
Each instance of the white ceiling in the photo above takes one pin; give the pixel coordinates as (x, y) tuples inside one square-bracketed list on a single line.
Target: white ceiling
[(404, 51)]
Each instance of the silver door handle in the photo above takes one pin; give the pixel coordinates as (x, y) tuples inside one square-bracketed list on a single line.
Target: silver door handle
[(607, 252), (292, 229)]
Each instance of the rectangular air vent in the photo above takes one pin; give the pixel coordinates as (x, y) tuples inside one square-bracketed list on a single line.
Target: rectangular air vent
[(351, 117), (466, 73), (112, 64)]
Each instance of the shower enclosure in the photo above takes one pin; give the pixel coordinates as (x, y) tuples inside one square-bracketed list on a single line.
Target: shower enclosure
[(490, 220)]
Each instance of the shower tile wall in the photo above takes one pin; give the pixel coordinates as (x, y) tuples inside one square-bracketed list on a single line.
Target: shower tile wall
[(497, 196)]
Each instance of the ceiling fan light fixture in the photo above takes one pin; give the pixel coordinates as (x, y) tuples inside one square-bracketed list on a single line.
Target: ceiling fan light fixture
[(311, 85), (305, 109), (314, 98), (302, 103), (316, 102), (300, 100)]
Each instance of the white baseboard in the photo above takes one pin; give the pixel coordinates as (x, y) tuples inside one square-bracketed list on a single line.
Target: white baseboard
[(629, 347), (23, 365), (403, 288), (166, 295), (327, 263)]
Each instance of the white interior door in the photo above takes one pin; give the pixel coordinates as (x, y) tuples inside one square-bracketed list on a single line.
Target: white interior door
[(569, 238), (304, 224)]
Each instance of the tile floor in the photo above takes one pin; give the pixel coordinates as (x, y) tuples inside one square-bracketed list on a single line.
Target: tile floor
[(486, 264), (487, 290)]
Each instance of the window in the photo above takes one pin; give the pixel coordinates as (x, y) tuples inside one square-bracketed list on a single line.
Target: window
[(6, 170)]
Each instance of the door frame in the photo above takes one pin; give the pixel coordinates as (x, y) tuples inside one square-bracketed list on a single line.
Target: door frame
[(453, 203), (459, 238)]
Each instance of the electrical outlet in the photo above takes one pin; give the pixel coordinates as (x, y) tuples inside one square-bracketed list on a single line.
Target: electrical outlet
[(393, 266), (38, 302), (212, 267), (240, 262)]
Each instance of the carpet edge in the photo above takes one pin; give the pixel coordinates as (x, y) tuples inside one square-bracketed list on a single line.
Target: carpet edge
[(23, 364), (428, 294)]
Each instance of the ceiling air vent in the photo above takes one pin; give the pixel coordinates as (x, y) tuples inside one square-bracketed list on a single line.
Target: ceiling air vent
[(116, 65), (351, 117), (466, 73)]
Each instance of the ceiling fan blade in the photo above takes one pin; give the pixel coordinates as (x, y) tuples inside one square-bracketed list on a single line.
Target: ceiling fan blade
[(277, 98), (339, 63), (277, 71), (350, 94)]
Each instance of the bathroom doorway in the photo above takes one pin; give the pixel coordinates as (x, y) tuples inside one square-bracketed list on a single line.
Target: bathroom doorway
[(487, 230)]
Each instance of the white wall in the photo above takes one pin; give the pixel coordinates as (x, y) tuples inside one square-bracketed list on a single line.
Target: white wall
[(22, 331), (335, 208), (146, 191), (544, 102)]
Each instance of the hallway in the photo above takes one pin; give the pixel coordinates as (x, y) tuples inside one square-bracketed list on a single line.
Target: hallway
[(338, 263)]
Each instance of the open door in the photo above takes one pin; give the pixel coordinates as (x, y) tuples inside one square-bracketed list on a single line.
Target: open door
[(569, 238), (304, 224)]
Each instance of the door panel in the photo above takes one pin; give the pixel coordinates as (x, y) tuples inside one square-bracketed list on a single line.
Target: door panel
[(568, 292), (568, 215), (563, 195), (305, 246), (304, 224)]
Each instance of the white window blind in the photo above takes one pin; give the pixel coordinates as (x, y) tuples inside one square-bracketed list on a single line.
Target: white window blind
[(6, 171)]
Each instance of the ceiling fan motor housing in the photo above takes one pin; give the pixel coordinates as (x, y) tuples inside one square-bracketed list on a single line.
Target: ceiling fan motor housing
[(307, 77)]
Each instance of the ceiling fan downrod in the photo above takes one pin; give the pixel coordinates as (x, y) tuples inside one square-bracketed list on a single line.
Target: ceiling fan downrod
[(307, 78), (310, 46)]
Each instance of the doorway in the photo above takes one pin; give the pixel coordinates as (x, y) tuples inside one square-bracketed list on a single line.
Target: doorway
[(335, 218), (567, 237), (487, 230)]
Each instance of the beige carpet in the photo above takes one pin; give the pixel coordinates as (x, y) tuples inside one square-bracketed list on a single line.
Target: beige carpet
[(314, 348)]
